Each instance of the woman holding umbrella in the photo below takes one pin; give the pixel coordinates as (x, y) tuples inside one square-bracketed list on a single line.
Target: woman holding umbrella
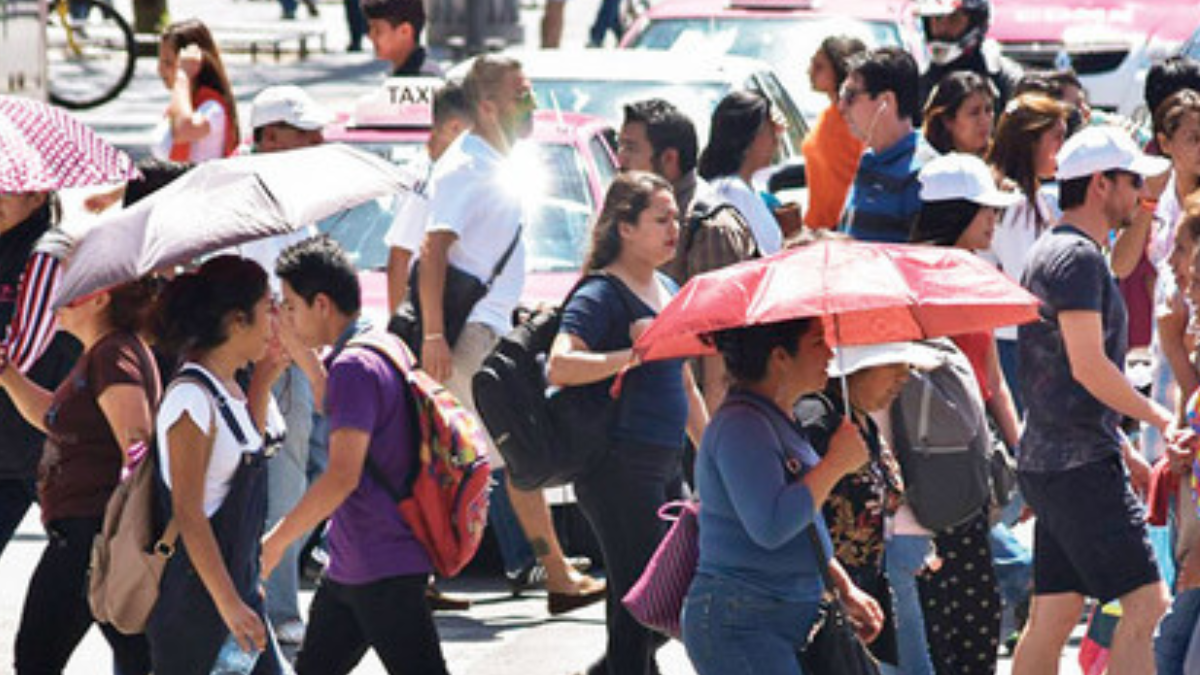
[(634, 235), (758, 582), (96, 423), (213, 440), (960, 206)]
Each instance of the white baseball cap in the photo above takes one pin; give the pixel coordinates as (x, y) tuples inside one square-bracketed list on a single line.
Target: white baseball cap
[(957, 175), (1105, 148), (850, 360), (288, 105)]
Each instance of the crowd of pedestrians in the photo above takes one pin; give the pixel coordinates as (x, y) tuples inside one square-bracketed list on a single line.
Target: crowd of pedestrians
[(245, 382)]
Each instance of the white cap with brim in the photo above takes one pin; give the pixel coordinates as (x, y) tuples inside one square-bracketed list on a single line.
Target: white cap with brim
[(290, 105), (957, 175), (850, 360), (1105, 148)]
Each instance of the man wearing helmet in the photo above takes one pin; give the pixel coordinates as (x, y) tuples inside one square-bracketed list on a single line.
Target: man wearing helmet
[(955, 33)]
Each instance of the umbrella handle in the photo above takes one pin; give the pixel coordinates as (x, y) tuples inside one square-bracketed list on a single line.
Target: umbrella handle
[(841, 357)]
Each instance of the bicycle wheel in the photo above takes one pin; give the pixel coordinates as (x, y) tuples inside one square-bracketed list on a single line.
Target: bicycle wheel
[(90, 53)]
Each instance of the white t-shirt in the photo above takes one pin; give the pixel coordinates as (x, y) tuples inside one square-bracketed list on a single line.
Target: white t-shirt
[(470, 196), (411, 211), (764, 227), (1015, 234), (211, 146), (186, 396)]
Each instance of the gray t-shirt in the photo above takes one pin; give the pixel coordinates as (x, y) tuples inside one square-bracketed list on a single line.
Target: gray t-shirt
[(1065, 426)]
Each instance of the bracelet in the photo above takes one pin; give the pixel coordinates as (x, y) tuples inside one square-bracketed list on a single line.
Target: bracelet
[(434, 336)]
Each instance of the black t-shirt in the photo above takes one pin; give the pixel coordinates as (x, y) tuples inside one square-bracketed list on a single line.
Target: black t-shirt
[(1066, 426)]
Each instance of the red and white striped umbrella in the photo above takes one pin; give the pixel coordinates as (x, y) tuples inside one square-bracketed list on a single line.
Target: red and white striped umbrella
[(43, 148)]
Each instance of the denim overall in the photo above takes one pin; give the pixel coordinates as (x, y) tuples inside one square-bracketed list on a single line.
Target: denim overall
[(186, 631)]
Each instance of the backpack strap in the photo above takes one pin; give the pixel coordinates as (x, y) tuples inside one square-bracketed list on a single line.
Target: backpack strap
[(399, 358), (165, 545)]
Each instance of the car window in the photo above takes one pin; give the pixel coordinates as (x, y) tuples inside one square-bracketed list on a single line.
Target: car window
[(599, 146), (558, 210), (768, 85), (361, 230), (786, 44), (607, 98), (558, 205)]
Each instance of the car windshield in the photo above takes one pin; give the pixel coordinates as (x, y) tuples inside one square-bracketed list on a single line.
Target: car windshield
[(553, 182), (787, 44), (607, 98)]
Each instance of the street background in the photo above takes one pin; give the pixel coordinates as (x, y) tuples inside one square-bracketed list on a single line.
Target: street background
[(500, 635)]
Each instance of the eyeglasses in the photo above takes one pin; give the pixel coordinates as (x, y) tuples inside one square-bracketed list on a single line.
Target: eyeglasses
[(1135, 179), (848, 94)]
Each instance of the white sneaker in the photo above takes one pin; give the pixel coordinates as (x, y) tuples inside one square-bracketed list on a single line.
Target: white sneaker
[(290, 632)]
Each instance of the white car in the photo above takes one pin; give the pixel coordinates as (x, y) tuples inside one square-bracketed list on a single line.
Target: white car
[(602, 82)]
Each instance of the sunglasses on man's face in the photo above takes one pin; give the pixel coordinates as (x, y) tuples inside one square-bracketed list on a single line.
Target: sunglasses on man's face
[(849, 94)]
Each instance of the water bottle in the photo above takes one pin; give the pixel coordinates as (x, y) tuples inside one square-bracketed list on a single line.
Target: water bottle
[(233, 660)]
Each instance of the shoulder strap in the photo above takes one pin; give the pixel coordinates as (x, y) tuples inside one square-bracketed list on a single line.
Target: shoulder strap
[(503, 261), (818, 546), (222, 404), (165, 545), (397, 358)]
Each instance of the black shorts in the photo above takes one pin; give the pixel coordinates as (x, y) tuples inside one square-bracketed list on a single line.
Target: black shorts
[(1090, 533)]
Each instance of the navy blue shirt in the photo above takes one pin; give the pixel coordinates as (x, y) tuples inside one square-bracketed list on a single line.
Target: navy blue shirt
[(886, 195), (1065, 426), (653, 407)]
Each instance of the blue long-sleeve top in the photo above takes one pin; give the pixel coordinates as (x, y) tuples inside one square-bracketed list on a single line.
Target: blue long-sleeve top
[(753, 509)]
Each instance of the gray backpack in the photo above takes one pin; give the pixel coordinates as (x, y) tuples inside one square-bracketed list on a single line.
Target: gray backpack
[(942, 442)]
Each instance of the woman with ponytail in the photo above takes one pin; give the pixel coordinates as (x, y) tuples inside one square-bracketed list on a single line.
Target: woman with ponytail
[(634, 235), (97, 423), (213, 439)]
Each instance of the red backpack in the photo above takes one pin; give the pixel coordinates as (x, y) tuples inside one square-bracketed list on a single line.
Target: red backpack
[(448, 504)]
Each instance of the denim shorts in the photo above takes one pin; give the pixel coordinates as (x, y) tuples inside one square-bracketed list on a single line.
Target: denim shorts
[(1090, 535)]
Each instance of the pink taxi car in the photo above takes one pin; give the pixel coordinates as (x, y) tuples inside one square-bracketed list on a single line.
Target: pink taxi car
[(565, 167)]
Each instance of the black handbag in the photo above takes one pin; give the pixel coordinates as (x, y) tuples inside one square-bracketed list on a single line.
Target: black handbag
[(461, 292), (833, 647)]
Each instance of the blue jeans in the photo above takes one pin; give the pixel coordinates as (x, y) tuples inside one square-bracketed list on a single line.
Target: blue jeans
[(287, 480), (1013, 563), (1174, 633), (514, 546), (1010, 365), (729, 630), (904, 557)]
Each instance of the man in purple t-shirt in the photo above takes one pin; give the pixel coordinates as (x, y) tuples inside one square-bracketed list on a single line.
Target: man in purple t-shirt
[(373, 593)]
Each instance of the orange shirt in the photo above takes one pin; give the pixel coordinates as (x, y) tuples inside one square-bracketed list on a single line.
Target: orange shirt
[(831, 154)]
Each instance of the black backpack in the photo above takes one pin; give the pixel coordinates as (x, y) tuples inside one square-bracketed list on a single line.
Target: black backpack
[(943, 444), (547, 436)]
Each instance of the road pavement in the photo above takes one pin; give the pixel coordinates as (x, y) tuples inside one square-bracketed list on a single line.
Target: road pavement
[(500, 635)]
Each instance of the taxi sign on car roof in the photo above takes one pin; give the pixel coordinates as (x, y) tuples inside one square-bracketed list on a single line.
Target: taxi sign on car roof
[(400, 102)]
